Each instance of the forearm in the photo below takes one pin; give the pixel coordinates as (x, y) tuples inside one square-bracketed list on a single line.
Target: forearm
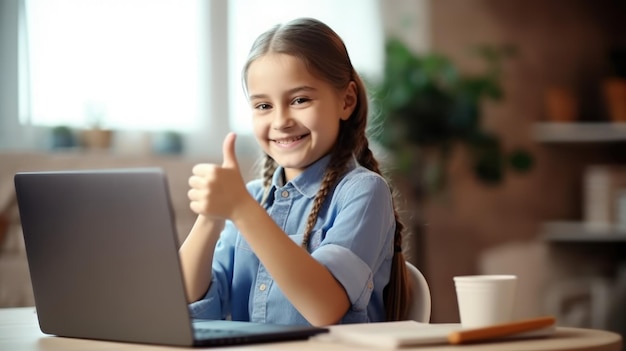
[(196, 256), (308, 284)]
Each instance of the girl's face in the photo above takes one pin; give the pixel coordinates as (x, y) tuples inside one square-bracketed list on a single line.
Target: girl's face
[(295, 115)]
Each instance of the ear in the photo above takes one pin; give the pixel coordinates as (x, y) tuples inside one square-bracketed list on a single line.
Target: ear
[(349, 101)]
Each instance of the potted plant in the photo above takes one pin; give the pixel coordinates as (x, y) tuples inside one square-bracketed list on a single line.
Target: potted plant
[(96, 136), (62, 137), (168, 142), (424, 107), (614, 86)]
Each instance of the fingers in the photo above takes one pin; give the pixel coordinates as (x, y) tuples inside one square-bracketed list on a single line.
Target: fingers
[(202, 176), (199, 187), (197, 194), (202, 169), (228, 150), (197, 207)]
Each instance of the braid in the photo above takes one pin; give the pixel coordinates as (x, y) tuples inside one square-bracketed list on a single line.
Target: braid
[(327, 182), (336, 168), (397, 292), (269, 167), (366, 157)]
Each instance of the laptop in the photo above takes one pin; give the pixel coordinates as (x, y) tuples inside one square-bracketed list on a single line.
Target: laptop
[(102, 252)]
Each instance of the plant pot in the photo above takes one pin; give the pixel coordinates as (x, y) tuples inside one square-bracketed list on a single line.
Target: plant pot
[(561, 105), (96, 138), (614, 90)]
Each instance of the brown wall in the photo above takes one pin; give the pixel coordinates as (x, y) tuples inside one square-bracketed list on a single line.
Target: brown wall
[(559, 42)]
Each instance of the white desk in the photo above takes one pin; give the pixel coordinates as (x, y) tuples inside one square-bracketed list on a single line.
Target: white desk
[(19, 331)]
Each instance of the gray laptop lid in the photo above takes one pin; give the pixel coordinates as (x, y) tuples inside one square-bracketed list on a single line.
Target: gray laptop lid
[(103, 257)]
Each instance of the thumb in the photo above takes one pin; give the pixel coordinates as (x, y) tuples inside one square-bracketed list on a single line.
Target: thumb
[(228, 150)]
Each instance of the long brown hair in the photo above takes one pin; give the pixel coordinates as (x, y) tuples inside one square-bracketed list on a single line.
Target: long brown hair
[(325, 55)]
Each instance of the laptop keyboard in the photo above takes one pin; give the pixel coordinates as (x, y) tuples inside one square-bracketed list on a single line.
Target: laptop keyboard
[(212, 333)]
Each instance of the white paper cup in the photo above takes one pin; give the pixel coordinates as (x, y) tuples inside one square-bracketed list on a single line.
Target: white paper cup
[(485, 299)]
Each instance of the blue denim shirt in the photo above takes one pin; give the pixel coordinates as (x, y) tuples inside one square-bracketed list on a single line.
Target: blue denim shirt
[(353, 238)]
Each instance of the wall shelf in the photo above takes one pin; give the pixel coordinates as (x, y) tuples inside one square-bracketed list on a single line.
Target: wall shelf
[(581, 232), (571, 132)]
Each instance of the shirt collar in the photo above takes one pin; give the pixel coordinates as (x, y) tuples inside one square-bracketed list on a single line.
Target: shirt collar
[(309, 181)]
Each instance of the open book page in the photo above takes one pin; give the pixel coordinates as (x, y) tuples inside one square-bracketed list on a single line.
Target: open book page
[(390, 334)]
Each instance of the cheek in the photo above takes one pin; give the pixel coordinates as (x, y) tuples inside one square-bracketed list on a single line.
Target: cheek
[(259, 128), (326, 126)]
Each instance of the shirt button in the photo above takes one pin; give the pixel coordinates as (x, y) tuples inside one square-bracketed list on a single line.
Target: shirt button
[(285, 193), (262, 287), (370, 285)]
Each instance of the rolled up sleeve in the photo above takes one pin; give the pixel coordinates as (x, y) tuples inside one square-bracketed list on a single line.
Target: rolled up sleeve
[(351, 272), (210, 306), (360, 238)]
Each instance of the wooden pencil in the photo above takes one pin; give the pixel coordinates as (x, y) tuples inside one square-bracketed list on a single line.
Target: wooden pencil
[(499, 330)]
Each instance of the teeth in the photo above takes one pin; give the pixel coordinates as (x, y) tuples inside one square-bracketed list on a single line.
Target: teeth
[(287, 141)]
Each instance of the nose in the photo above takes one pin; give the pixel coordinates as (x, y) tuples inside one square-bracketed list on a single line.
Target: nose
[(281, 119)]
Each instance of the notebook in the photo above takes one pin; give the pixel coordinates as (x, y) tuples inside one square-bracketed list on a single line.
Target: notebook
[(102, 252), (393, 335)]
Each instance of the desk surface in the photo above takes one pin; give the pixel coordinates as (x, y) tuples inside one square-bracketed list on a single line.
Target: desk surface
[(19, 331)]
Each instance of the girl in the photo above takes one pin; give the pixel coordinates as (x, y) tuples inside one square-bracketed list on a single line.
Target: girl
[(317, 240)]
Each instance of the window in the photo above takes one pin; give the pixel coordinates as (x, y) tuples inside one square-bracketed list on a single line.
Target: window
[(124, 64), (151, 65)]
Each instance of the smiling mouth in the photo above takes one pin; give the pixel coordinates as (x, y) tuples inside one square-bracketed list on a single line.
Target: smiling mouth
[(287, 141)]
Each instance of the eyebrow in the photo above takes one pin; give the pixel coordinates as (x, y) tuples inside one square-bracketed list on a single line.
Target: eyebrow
[(304, 88)]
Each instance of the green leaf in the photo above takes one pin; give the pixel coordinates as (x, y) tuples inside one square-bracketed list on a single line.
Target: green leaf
[(521, 160)]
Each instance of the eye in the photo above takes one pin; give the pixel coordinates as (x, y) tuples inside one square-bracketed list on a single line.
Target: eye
[(262, 106), (300, 101)]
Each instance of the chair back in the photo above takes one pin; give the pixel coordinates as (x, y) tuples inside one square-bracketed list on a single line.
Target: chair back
[(420, 302)]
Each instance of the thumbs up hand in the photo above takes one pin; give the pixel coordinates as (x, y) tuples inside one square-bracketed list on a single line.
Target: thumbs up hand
[(228, 152), (216, 190)]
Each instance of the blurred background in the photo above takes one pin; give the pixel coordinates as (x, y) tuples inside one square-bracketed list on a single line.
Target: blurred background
[(502, 124)]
